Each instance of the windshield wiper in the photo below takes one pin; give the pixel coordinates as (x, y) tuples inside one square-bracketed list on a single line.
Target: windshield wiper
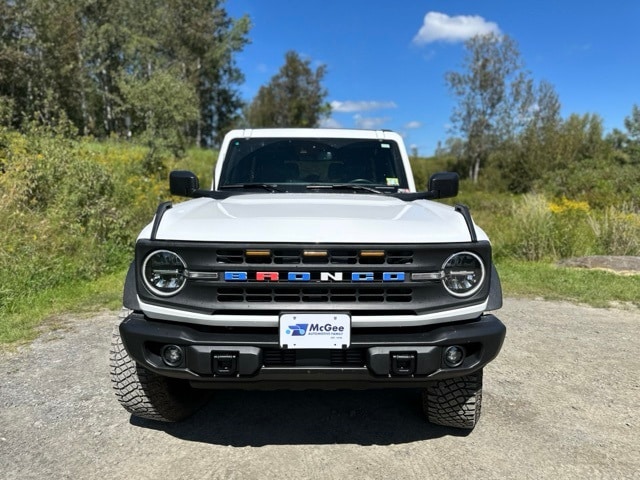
[(345, 186), (262, 186)]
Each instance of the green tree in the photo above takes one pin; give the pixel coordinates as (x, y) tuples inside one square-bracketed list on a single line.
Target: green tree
[(25, 91), (72, 58), (520, 161), (158, 106), (582, 164), (294, 97), (495, 97), (626, 144), (632, 124), (203, 40)]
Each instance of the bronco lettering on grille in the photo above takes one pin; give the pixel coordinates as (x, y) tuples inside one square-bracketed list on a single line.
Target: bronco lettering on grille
[(240, 276)]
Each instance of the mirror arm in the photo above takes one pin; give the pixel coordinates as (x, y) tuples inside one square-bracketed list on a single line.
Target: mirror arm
[(409, 197)]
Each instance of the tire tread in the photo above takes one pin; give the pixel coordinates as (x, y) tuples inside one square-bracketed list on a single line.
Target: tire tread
[(454, 402)]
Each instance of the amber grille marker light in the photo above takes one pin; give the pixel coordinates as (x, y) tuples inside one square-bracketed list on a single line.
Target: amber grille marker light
[(372, 253), (315, 253), (258, 253)]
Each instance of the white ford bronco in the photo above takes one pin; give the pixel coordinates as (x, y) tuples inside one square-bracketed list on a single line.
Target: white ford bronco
[(312, 262)]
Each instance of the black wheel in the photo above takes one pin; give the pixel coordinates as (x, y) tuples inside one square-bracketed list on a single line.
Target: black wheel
[(454, 402), (146, 394)]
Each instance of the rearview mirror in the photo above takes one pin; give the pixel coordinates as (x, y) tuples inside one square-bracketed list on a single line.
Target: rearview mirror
[(444, 184), (183, 183)]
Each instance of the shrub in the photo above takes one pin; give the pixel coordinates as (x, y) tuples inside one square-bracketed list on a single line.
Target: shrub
[(543, 230), (532, 234), (571, 233)]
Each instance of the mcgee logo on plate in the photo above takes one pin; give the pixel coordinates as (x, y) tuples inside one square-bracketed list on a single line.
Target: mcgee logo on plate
[(297, 330)]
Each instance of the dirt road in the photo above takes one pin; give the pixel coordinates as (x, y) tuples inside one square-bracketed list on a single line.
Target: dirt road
[(561, 401)]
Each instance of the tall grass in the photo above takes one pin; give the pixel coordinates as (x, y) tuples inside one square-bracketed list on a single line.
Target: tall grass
[(617, 231), (535, 228)]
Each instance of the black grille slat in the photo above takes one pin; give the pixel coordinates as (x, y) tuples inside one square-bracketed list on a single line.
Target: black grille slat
[(272, 357), (230, 256), (269, 293), (287, 256), (344, 295), (352, 357), (343, 256), (295, 256), (399, 257), (320, 295), (348, 358)]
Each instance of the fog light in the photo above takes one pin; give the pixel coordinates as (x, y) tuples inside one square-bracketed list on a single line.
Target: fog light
[(172, 355), (453, 356)]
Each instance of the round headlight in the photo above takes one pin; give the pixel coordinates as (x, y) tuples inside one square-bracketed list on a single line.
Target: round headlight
[(463, 274), (163, 273)]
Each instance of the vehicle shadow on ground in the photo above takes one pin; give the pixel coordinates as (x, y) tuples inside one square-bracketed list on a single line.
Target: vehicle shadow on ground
[(255, 418)]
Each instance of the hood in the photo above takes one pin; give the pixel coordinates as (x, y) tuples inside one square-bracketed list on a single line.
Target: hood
[(312, 218)]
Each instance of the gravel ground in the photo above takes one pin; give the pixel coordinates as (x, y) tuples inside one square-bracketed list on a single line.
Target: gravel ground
[(560, 401)]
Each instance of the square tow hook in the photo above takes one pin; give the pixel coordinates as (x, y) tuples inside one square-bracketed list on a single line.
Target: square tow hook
[(403, 363), (225, 363)]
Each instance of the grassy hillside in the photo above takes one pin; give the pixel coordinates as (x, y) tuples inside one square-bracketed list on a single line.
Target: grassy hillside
[(69, 215)]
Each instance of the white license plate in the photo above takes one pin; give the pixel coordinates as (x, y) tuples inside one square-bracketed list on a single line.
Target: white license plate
[(315, 330)]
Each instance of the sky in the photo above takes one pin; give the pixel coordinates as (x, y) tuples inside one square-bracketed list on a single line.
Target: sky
[(386, 60)]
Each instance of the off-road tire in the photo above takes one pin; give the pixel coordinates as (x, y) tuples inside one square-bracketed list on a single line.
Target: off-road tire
[(454, 402), (146, 394)]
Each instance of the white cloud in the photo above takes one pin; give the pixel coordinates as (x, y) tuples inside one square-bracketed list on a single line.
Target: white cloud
[(369, 123), (413, 125), (350, 106), (441, 27), (330, 123)]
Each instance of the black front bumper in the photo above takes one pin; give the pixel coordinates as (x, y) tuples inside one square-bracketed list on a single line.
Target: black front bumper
[(231, 358)]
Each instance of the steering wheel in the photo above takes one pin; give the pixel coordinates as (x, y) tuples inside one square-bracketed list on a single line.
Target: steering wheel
[(360, 180)]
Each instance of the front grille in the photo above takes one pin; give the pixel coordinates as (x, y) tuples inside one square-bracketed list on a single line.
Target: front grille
[(351, 357), (268, 294), (365, 279), (296, 256)]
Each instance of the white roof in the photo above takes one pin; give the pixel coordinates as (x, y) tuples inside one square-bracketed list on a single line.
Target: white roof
[(313, 133)]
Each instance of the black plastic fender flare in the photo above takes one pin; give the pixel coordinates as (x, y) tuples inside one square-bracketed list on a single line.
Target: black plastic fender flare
[(495, 291), (130, 293)]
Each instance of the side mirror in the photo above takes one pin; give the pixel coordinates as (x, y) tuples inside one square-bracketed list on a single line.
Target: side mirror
[(183, 183), (444, 184)]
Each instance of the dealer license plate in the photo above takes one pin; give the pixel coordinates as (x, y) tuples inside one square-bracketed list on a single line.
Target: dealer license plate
[(315, 330)]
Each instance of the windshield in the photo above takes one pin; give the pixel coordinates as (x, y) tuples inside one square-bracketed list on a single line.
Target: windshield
[(298, 164)]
